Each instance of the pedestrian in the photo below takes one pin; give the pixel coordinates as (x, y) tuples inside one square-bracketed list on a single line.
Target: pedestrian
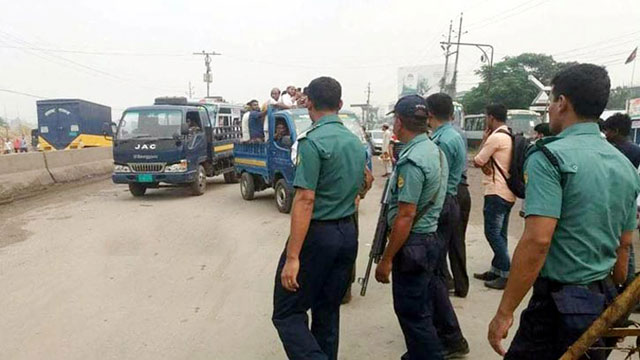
[(417, 190), (7, 146), (16, 145), (580, 216), (23, 145), (541, 130), (495, 152), (464, 200), (315, 268), (387, 151), (440, 109), (617, 129)]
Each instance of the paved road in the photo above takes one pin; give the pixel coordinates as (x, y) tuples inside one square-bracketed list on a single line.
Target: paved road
[(89, 272)]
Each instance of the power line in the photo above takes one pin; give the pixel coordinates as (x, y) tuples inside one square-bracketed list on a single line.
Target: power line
[(22, 93), (101, 53), (500, 17)]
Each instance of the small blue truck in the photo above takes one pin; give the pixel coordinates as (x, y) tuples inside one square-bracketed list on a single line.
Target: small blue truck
[(270, 164), (174, 143)]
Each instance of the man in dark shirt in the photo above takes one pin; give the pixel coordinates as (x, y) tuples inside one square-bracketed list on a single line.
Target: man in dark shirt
[(617, 129)]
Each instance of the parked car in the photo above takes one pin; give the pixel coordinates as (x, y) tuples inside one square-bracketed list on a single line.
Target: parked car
[(376, 139)]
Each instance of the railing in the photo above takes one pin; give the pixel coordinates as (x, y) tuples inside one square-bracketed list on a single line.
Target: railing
[(227, 132)]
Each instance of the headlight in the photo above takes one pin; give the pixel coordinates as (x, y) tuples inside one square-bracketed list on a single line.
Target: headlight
[(179, 167), (121, 168)]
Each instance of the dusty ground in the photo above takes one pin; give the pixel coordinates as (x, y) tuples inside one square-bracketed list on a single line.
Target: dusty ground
[(90, 272)]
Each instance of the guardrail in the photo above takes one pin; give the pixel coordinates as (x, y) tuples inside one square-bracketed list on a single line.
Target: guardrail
[(27, 173)]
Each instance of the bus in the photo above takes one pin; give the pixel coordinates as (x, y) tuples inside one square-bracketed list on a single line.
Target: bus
[(519, 121)]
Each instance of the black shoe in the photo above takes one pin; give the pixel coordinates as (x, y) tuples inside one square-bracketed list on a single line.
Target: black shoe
[(486, 276), (461, 294), (405, 356), (498, 284), (456, 351)]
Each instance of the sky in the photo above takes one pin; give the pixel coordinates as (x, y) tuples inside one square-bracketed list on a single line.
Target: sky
[(126, 53)]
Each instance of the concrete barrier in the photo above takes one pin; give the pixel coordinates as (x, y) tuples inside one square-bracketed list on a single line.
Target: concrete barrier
[(72, 165), (21, 174)]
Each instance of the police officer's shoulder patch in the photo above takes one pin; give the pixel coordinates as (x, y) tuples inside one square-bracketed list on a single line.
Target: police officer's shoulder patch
[(400, 181), (525, 177)]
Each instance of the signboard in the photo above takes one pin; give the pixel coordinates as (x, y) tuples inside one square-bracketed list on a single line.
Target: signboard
[(208, 78), (633, 108), (421, 79)]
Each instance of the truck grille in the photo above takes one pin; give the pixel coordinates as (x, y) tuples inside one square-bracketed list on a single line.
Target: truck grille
[(147, 167)]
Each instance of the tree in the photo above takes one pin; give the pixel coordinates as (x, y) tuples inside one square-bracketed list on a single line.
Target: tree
[(619, 96), (509, 82), (3, 122)]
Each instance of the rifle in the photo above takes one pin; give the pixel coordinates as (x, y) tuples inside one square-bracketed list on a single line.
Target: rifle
[(379, 239)]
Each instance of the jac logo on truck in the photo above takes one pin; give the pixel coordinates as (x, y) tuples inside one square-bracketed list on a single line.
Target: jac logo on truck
[(145, 147)]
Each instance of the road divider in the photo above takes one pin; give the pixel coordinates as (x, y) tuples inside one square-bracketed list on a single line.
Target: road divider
[(24, 174)]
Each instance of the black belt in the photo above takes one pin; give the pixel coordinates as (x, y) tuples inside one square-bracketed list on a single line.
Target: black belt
[(348, 219), (546, 285)]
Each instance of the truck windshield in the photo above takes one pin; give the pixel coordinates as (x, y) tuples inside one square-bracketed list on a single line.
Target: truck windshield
[(303, 123), (523, 123), (351, 122), (150, 123)]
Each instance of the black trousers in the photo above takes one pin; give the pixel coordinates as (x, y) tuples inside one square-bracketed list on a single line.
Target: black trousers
[(449, 229), (556, 317), (415, 297), (326, 261)]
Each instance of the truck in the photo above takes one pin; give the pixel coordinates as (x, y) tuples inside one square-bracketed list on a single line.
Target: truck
[(271, 164), (72, 124), (172, 143)]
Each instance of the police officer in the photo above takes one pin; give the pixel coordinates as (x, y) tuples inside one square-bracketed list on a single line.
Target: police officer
[(315, 268), (440, 109), (417, 191), (580, 215)]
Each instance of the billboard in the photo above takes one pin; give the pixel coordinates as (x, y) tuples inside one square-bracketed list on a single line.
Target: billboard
[(633, 108), (420, 79)]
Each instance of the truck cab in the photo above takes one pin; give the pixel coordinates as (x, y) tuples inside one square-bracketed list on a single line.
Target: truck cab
[(174, 143), (270, 164)]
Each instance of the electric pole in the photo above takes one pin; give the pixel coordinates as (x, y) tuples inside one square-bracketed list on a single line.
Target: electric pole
[(366, 120), (455, 68), (443, 82), (190, 91), (208, 78)]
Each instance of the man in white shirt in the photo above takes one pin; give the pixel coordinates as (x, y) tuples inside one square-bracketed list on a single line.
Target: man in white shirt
[(287, 98), (386, 151)]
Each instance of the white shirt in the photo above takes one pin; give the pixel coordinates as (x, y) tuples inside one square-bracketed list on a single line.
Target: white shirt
[(245, 126), (287, 99), (386, 140)]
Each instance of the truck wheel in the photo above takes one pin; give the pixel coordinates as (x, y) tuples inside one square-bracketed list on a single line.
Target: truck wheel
[(200, 184), (247, 186), (284, 197), (137, 189), (231, 177)]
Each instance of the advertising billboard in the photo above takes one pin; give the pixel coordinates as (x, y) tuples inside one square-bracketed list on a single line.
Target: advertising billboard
[(421, 79)]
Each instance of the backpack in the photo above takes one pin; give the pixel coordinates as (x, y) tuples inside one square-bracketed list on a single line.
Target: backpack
[(519, 150)]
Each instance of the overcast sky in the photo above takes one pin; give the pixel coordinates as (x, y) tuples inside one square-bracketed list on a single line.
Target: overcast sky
[(142, 48)]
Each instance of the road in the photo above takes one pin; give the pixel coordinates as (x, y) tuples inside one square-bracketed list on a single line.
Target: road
[(89, 272)]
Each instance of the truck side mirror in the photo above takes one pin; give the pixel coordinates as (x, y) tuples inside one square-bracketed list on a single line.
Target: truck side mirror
[(106, 128), (114, 128), (184, 129)]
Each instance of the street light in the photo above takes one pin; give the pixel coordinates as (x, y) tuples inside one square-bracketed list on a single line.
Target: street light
[(481, 47)]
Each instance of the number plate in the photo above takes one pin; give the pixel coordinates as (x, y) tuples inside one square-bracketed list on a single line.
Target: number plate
[(145, 178)]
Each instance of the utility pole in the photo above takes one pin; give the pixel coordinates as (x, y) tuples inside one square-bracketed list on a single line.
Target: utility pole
[(443, 82), (208, 78), (190, 91), (366, 120), (454, 79)]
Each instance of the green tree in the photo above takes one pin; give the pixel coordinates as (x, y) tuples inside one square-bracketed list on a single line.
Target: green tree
[(3, 122), (509, 82), (619, 96)]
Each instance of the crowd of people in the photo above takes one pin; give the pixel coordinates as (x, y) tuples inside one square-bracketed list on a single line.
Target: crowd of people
[(575, 250), (254, 127), (17, 145)]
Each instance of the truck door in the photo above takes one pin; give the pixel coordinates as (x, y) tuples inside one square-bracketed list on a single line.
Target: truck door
[(59, 127), (196, 140), (208, 131), (280, 142)]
